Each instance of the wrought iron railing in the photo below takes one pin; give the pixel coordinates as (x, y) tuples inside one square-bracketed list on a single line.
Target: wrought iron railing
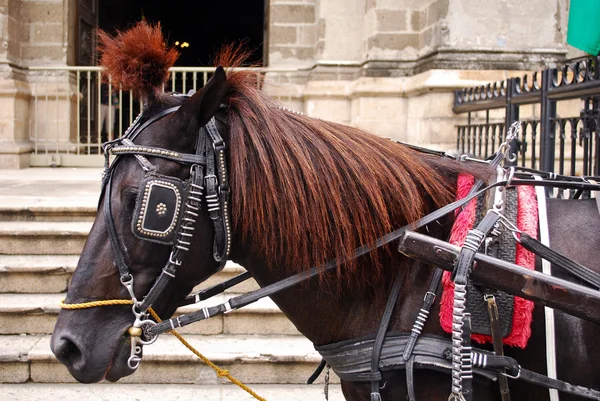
[(553, 139), (67, 124)]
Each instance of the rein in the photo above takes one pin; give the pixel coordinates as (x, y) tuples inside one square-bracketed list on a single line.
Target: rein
[(250, 297)]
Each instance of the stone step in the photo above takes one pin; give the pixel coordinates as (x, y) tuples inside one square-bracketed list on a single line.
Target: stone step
[(252, 359), (19, 208), (165, 392), (36, 273), (43, 237), (51, 274), (37, 313), (49, 194)]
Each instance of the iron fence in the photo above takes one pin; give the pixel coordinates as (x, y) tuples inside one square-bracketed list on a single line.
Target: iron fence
[(560, 113), (68, 121)]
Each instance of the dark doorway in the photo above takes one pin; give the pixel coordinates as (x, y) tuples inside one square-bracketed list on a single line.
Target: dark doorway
[(204, 25)]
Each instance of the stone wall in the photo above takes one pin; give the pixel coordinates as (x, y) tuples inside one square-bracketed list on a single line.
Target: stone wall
[(292, 32), (391, 66), (388, 66)]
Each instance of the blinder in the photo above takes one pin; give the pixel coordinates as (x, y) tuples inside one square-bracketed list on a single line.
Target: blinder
[(157, 213)]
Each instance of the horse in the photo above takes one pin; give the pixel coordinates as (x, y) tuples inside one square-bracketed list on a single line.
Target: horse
[(301, 191)]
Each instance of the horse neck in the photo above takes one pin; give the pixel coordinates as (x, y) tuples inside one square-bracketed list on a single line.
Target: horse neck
[(325, 316)]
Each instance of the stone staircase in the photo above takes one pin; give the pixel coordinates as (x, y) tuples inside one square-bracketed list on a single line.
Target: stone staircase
[(45, 216)]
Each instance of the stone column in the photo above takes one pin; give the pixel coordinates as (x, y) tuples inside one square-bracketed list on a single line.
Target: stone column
[(14, 91), (338, 55), (34, 33)]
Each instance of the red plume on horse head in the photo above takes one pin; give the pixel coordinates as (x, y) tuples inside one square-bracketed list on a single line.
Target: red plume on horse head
[(137, 59)]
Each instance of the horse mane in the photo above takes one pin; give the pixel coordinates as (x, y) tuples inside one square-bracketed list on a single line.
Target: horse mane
[(137, 59), (306, 190)]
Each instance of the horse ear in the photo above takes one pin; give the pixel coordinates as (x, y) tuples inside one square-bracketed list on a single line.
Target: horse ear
[(203, 105)]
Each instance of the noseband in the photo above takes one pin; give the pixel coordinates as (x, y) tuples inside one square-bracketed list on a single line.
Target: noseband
[(166, 211)]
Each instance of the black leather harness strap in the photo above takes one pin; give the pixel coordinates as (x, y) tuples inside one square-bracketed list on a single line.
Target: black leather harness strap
[(461, 361), (351, 360), (215, 187), (317, 371), (215, 289), (581, 272), (497, 342), (248, 298), (381, 332), (417, 329)]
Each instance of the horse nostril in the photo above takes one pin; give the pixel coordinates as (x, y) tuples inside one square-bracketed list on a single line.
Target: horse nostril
[(68, 353)]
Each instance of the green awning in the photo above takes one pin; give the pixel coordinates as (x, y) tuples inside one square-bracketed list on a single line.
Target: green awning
[(584, 25)]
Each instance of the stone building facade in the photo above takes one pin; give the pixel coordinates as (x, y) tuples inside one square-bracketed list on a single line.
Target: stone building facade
[(388, 66)]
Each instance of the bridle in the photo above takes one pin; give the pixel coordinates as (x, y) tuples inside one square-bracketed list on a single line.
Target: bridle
[(166, 210)]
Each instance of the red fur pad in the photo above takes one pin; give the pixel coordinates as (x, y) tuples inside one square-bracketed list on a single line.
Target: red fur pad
[(527, 221)]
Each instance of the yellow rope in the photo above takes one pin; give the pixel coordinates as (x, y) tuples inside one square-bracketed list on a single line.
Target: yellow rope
[(93, 304), (220, 372)]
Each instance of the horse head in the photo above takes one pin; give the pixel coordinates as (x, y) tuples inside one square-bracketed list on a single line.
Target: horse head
[(157, 214)]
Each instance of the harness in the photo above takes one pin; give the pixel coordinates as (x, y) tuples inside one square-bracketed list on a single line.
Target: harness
[(166, 211)]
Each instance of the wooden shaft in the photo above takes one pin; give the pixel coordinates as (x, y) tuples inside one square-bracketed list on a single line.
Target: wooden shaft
[(557, 293)]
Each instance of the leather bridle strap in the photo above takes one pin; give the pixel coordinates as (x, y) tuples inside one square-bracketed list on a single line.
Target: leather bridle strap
[(183, 158), (205, 156), (118, 251), (217, 211)]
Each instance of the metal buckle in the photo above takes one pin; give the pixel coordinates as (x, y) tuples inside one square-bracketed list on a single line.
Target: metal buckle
[(129, 286), (512, 377)]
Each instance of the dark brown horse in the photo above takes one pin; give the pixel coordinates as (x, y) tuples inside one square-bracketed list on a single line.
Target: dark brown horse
[(303, 191)]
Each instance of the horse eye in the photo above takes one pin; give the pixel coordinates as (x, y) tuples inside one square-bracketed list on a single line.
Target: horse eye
[(130, 197)]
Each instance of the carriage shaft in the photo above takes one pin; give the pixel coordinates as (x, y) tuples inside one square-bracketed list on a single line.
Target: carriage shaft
[(557, 293)]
